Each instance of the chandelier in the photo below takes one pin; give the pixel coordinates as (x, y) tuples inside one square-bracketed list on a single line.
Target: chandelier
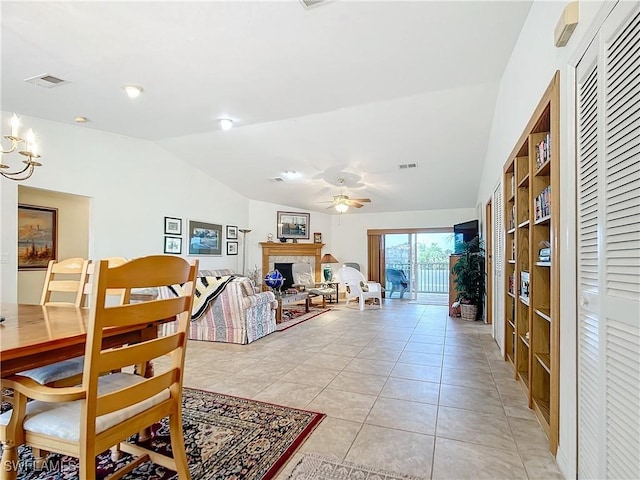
[(29, 150)]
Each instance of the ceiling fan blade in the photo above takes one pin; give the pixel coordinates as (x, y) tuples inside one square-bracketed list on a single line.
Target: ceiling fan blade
[(363, 200), (353, 203)]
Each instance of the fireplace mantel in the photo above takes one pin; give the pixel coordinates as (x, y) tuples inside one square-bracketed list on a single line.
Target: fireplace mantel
[(275, 249)]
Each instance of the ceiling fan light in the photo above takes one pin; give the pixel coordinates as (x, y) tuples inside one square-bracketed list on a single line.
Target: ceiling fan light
[(342, 207), (226, 123)]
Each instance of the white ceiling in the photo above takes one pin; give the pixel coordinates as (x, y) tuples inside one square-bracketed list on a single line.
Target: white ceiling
[(347, 89)]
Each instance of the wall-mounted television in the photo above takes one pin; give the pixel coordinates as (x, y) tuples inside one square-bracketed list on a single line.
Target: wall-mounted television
[(464, 232)]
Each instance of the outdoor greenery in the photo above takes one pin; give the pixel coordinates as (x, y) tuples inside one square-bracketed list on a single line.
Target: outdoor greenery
[(469, 273)]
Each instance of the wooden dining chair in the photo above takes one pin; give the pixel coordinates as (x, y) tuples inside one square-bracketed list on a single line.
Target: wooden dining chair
[(69, 372), (107, 409), (65, 279), (119, 296)]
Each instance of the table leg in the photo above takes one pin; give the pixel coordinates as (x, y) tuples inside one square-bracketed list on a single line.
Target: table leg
[(279, 312)]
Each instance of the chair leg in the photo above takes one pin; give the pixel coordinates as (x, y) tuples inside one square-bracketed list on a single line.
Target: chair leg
[(362, 303), (177, 446), (9, 470)]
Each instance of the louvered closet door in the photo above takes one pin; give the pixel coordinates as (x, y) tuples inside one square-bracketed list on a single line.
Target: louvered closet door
[(498, 268), (609, 251)]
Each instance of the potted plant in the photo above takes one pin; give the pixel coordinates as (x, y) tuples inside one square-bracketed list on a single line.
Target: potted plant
[(470, 279)]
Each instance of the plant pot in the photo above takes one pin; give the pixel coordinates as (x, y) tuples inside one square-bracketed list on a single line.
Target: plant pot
[(468, 312)]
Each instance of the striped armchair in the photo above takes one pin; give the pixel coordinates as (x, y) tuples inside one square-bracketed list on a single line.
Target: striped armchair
[(238, 315)]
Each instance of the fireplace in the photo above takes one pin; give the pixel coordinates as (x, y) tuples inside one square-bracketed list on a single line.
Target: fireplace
[(286, 271), (288, 253)]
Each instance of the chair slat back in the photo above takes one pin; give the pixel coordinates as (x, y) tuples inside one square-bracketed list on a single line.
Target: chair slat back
[(153, 271), (57, 280), (121, 295)]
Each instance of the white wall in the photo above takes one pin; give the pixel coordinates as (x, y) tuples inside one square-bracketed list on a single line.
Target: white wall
[(349, 232), (133, 184), (530, 69)]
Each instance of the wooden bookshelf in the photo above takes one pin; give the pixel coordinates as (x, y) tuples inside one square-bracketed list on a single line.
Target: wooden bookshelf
[(531, 207)]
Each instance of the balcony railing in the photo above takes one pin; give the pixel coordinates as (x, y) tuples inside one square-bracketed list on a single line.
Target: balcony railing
[(431, 277)]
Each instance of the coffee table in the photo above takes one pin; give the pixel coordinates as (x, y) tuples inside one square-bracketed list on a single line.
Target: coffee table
[(290, 299)]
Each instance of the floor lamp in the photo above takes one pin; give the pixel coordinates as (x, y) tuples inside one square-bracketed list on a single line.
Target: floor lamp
[(244, 232)]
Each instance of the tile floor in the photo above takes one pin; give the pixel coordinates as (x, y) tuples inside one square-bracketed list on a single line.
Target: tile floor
[(405, 388)]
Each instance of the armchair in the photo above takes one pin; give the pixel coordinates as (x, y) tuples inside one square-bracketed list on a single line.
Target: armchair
[(398, 280), (303, 279), (358, 287)]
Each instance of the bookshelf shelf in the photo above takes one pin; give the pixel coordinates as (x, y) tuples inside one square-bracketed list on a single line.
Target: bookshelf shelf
[(544, 360), (544, 313), (543, 220), (531, 176)]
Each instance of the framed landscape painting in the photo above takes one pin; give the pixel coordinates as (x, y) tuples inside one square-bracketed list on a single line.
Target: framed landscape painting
[(293, 225), (37, 236), (205, 238)]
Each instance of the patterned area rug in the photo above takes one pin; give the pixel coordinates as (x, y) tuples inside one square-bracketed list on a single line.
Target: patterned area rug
[(226, 438), (318, 467), (294, 315)]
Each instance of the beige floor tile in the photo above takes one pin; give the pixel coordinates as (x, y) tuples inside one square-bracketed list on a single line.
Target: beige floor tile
[(403, 415), (529, 437), (309, 375), (541, 467), (413, 390), (342, 349), (374, 353), (333, 438), (433, 339), (358, 382), (454, 460), (327, 360), (387, 344), (403, 452), (417, 372), (420, 358), (515, 405), (374, 367), (475, 427), (475, 399), (289, 394), (466, 363), (424, 347), (344, 405), (468, 378)]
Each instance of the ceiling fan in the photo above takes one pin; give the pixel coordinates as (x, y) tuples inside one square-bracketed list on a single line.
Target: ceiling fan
[(342, 202)]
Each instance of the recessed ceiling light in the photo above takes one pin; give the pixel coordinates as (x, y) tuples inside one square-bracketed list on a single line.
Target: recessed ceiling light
[(290, 174), (133, 91), (225, 123), (81, 119)]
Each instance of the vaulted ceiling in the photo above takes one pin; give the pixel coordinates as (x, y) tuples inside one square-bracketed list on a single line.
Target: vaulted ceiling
[(346, 89)]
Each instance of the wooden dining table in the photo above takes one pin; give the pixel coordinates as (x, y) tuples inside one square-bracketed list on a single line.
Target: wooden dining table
[(35, 335)]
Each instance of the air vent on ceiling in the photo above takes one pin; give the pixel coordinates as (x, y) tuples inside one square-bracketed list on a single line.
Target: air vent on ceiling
[(408, 165), (278, 179), (46, 80), (312, 3)]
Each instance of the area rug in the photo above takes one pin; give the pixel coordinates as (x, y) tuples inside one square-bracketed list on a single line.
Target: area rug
[(226, 438), (318, 467), (295, 315)]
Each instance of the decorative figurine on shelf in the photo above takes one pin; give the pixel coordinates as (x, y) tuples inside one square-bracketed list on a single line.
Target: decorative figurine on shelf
[(269, 237), (274, 280)]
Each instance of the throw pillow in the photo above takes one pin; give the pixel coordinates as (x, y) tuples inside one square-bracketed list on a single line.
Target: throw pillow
[(364, 286)]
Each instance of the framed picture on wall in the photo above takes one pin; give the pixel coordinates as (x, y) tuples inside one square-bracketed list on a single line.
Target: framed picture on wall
[(293, 225), (232, 232), (205, 238), (37, 236), (232, 248), (172, 226), (317, 237), (173, 245)]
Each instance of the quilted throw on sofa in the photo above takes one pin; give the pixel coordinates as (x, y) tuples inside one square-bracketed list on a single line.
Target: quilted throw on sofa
[(206, 291)]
